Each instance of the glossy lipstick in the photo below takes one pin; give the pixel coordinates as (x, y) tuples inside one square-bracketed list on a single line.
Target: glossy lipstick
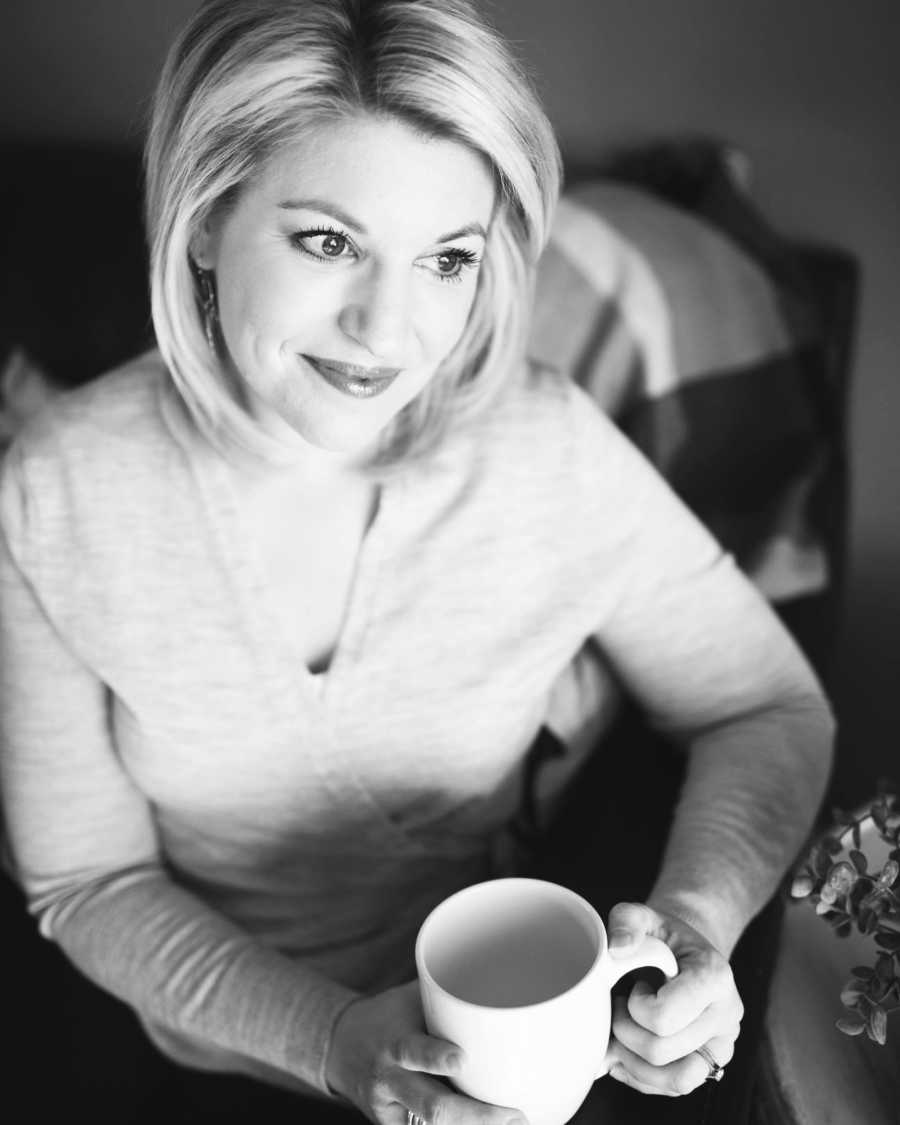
[(351, 379)]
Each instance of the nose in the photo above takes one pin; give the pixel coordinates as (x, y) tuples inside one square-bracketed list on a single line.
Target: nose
[(377, 314)]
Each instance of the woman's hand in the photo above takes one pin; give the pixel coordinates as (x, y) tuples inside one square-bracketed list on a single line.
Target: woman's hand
[(385, 1063), (657, 1033)]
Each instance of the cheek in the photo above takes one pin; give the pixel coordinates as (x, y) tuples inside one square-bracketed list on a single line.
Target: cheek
[(264, 297), (246, 304), (447, 320), (265, 308)]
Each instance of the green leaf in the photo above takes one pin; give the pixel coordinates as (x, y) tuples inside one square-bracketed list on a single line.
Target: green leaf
[(859, 892), (859, 861), (884, 967), (829, 893), (889, 941), (856, 837), (878, 989), (842, 877), (850, 1026), (802, 886), (832, 845), (821, 861), (877, 1025), (863, 972), (875, 900)]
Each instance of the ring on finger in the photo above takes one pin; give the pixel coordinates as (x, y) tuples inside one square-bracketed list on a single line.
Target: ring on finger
[(716, 1072)]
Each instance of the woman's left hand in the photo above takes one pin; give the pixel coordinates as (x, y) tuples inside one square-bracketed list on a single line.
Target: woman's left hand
[(656, 1034)]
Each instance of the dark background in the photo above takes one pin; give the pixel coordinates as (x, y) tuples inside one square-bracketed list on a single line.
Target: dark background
[(810, 89)]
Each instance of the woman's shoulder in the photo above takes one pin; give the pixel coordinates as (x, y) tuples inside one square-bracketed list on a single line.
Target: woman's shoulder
[(545, 417), (88, 449), (103, 435), (547, 443), (121, 407)]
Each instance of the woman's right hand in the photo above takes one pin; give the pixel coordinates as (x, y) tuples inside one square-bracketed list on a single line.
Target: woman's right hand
[(385, 1063)]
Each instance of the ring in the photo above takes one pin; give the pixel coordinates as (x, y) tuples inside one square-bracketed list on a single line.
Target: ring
[(413, 1118), (716, 1072)]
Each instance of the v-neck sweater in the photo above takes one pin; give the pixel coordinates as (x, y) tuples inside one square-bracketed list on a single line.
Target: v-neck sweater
[(237, 847)]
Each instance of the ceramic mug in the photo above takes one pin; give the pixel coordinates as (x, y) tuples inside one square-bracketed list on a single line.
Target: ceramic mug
[(517, 972)]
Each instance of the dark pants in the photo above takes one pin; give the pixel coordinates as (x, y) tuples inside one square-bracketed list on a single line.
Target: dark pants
[(82, 1051)]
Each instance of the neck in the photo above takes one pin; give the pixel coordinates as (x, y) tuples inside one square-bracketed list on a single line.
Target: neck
[(306, 469)]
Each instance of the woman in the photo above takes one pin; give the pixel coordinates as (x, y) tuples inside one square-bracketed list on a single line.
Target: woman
[(334, 544)]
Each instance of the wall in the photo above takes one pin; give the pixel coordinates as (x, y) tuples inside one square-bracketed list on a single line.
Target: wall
[(810, 89)]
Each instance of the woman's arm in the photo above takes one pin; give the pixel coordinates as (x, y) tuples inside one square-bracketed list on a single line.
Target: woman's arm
[(696, 645), (751, 790), (82, 843), (699, 647), (751, 793), (705, 656)]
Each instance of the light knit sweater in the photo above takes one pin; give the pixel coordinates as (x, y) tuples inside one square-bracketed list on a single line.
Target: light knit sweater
[(235, 846)]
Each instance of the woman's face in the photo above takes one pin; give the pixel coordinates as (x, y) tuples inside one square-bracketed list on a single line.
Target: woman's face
[(345, 274)]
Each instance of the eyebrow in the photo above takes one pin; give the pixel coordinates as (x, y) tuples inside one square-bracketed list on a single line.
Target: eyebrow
[(343, 217)]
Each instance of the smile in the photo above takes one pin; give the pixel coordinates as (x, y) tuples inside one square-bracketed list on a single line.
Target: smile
[(353, 380)]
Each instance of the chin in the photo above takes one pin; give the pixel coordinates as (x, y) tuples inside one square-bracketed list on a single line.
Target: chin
[(333, 431)]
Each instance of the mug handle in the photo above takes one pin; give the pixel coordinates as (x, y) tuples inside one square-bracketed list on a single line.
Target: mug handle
[(651, 953)]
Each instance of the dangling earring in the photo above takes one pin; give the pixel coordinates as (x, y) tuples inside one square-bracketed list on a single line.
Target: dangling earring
[(206, 282)]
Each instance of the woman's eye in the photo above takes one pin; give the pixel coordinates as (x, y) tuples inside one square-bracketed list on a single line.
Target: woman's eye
[(450, 265), (326, 245)]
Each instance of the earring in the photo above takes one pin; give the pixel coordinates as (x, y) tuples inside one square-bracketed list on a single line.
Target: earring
[(206, 282)]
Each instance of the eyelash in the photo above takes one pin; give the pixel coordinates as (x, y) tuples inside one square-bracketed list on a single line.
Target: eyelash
[(464, 259)]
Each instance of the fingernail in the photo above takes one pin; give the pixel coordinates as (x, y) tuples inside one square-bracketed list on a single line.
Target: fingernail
[(620, 937)]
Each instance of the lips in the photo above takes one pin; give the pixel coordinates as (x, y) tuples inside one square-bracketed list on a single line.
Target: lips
[(351, 379)]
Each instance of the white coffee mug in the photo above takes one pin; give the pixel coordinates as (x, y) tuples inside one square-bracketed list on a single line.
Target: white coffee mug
[(517, 972)]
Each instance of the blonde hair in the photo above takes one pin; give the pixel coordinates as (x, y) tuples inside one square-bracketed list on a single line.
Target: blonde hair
[(245, 77)]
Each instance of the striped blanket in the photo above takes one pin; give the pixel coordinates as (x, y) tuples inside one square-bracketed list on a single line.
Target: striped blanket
[(691, 345)]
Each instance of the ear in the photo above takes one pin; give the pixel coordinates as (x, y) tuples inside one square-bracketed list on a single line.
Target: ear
[(204, 245)]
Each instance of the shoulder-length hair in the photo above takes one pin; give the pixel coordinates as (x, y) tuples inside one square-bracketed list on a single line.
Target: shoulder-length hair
[(245, 76)]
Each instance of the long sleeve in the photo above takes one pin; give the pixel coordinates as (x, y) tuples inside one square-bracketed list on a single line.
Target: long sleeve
[(704, 654), (82, 843), (752, 790)]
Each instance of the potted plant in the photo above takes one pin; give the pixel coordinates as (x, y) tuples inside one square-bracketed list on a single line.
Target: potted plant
[(850, 876)]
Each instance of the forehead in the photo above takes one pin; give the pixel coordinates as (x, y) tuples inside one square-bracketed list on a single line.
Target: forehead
[(382, 172)]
